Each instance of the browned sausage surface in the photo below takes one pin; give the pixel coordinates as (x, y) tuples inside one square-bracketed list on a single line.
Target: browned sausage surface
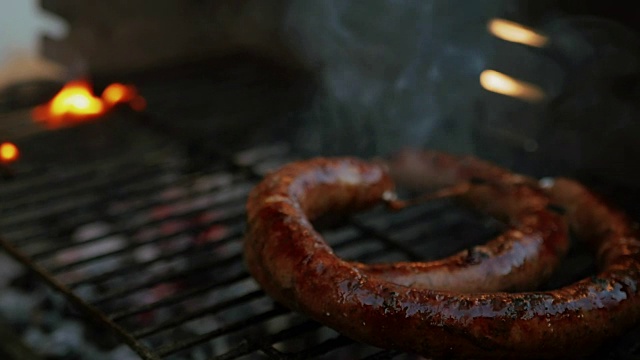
[(294, 265), (521, 258)]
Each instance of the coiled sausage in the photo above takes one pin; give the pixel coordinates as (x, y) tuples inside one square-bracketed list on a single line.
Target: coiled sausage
[(295, 266)]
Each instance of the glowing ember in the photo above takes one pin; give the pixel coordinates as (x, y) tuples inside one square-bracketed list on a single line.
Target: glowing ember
[(503, 84), (123, 94), (514, 32), (118, 93), (76, 102), (8, 152)]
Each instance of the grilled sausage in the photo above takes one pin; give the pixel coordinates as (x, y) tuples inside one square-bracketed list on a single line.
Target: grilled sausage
[(568, 322), (293, 264)]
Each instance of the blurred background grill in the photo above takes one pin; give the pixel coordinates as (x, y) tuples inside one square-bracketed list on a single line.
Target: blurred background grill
[(127, 229)]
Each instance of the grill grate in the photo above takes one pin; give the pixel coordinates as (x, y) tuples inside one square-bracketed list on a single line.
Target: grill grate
[(151, 249)]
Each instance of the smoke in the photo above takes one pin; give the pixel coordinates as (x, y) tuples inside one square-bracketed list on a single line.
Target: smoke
[(394, 73), (405, 73)]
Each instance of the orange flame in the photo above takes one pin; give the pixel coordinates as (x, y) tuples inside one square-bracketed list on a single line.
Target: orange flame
[(76, 102), (8, 152)]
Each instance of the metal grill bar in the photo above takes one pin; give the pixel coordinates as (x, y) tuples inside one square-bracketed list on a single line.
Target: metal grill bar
[(170, 300), (387, 240), (166, 278), (11, 221), (25, 234), (251, 345), (233, 211), (81, 186), (248, 322), (143, 190), (232, 235), (42, 182), (196, 314), (324, 347), (139, 192), (126, 175)]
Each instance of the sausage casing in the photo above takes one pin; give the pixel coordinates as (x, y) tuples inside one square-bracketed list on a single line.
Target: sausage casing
[(294, 265)]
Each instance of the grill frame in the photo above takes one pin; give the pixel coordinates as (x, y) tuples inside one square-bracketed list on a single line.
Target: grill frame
[(242, 164), (379, 235)]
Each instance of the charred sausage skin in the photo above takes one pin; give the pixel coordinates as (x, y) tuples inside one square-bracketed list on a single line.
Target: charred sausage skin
[(294, 265)]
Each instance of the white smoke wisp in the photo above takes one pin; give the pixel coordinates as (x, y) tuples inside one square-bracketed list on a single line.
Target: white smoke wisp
[(394, 73)]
